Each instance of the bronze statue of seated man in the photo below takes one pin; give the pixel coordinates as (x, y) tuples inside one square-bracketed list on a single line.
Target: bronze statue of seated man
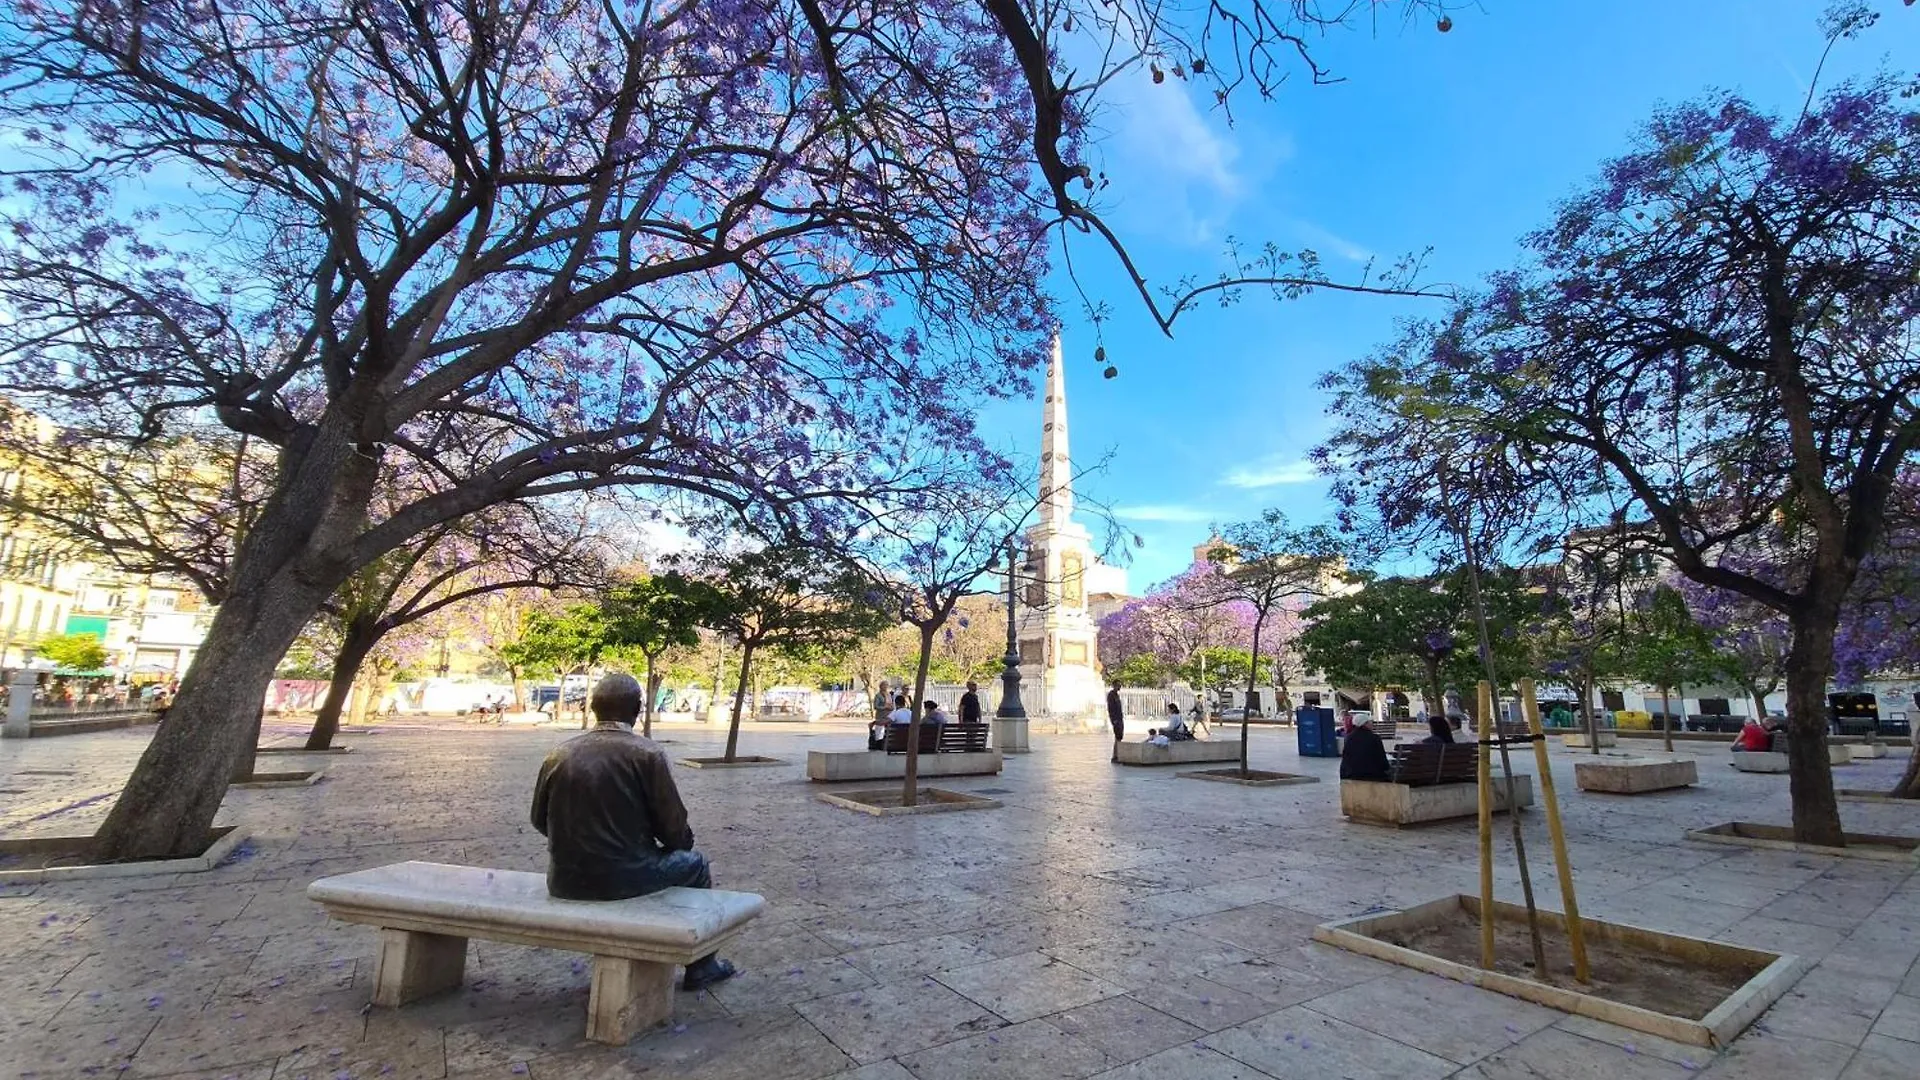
[(613, 819)]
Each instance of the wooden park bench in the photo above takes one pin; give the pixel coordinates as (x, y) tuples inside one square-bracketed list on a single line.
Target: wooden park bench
[(1428, 782), (1425, 764), (940, 738), (427, 911)]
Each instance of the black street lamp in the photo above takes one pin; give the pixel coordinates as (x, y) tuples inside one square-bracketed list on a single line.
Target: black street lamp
[(1011, 707)]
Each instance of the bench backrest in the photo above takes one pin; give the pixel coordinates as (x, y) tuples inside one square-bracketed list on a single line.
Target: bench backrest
[(1426, 764), (939, 738)]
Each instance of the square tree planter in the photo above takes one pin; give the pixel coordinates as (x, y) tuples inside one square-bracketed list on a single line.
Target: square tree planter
[(1870, 795), (885, 802), (293, 778), (1900, 849), (740, 761), (1253, 777), (1689, 990), (66, 858)]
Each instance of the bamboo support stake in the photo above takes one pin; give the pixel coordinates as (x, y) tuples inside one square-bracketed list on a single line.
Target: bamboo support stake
[(1487, 728), (1576, 933)]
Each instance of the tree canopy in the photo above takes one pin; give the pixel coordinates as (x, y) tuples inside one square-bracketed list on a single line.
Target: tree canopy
[(77, 652), (723, 252), (1714, 340)]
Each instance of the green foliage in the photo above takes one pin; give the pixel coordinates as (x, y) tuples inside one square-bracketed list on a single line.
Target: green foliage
[(657, 614), (793, 597), (1224, 667), (1141, 669), (1419, 631), (78, 652), (1666, 648), (558, 641)]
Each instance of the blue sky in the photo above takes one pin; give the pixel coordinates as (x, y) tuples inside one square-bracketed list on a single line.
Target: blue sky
[(1461, 141)]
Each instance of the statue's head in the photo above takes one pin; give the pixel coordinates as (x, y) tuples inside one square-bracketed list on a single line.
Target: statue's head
[(616, 699)]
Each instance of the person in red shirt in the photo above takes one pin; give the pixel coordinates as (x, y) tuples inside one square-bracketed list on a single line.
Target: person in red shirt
[(1753, 737)]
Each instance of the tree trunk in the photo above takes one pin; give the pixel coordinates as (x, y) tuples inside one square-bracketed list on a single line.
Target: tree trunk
[(243, 762), (519, 691), (360, 638), (1666, 721), (1816, 815), (646, 707), (170, 800), (1246, 706), (739, 699), (1282, 705), (1436, 698), (1909, 785), (1585, 691), (910, 793)]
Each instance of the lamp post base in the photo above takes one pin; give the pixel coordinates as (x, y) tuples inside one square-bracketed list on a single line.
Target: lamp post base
[(1010, 735)]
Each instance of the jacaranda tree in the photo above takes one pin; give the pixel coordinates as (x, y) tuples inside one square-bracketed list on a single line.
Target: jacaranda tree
[(720, 250), (1719, 338)]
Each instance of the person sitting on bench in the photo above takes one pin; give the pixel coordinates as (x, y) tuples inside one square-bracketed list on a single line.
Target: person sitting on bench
[(1365, 756), (1176, 729), (613, 819), (901, 716), (1442, 732), (1755, 737)]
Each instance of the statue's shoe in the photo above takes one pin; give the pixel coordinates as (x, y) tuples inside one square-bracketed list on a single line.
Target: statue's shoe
[(704, 973)]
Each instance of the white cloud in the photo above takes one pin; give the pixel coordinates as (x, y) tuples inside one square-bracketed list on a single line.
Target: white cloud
[(1163, 512), (1177, 169), (1272, 472), (1330, 243)]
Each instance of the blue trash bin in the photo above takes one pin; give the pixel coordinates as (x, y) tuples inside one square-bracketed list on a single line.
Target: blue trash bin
[(1316, 731)]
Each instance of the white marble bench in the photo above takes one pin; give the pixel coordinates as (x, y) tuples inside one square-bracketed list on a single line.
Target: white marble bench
[(1382, 802), (427, 911), (1185, 752), (839, 765), (1633, 776)]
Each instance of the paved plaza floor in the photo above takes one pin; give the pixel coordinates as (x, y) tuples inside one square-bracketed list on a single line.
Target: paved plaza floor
[(1104, 923)]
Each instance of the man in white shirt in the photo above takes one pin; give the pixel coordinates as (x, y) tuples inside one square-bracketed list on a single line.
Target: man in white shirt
[(900, 714)]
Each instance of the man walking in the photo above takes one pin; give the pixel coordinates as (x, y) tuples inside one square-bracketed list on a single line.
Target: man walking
[(613, 819), (970, 704), (1117, 717)]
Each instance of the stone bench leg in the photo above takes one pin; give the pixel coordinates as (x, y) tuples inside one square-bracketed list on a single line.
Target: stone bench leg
[(627, 996), (413, 965)]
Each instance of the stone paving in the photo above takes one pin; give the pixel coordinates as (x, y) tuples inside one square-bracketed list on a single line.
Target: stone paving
[(1105, 923)]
